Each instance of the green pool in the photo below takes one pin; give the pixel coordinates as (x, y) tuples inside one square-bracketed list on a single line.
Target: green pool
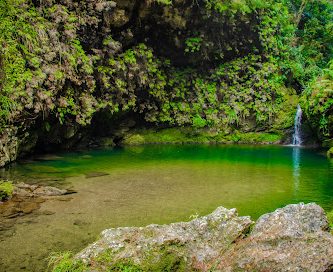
[(159, 184)]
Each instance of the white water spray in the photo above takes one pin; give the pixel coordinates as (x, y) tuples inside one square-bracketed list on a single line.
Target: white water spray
[(297, 139)]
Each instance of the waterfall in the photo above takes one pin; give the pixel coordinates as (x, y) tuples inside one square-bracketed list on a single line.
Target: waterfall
[(297, 140)]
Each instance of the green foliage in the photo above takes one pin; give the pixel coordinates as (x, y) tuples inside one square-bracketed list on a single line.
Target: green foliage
[(187, 135), (6, 190), (26, 43), (193, 44), (235, 6), (167, 261), (125, 267), (46, 71), (199, 122), (317, 101), (64, 262), (330, 153), (129, 57), (165, 2), (313, 40), (135, 139), (17, 37)]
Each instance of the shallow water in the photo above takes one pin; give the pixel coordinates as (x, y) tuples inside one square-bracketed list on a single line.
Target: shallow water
[(156, 184)]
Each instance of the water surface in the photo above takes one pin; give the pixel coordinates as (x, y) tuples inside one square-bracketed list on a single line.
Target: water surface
[(156, 184)]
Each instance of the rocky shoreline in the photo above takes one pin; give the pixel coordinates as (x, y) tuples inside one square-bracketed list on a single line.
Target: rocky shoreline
[(293, 238), (25, 200)]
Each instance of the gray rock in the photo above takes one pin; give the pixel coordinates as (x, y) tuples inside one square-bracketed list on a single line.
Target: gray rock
[(191, 243), (292, 221), (49, 191), (294, 238), (27, 190)]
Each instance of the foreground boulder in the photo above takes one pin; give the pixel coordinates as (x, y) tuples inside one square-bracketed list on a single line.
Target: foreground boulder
[(294, 238), (178, 246)]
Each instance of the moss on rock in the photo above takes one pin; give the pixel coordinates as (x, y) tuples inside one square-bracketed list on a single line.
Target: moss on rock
[(6, 190), (203, 136)]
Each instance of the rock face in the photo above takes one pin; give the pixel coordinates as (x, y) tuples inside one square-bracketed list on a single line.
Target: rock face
[(14, 144), (8, 146), (294, 238)]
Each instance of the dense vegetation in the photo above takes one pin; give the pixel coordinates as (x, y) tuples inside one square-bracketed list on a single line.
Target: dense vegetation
[(228, 65)]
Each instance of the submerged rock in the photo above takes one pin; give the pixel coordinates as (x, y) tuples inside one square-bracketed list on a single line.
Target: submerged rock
[(26, 199), (25, 203), (95, 174), (27, 190), (295, 238)]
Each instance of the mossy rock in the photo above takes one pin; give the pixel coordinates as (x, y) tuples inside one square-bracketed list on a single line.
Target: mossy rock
[(6, 190), (135, 139), (188, 135), (330, 153)]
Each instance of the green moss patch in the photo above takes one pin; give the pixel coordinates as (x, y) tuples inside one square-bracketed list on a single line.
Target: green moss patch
[(6, 190), (203, 136), (157, 260)]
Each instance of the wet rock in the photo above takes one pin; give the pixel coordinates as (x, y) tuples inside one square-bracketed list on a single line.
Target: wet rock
[(49, 191), (191, 244), (80, 223), (294, 238), (27, 190), (18, 206), (26, 200)]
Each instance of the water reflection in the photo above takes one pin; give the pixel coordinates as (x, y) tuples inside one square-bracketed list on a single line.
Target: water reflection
[(296, 156)]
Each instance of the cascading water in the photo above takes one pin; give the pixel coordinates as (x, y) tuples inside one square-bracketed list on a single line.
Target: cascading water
[(297, 140)]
